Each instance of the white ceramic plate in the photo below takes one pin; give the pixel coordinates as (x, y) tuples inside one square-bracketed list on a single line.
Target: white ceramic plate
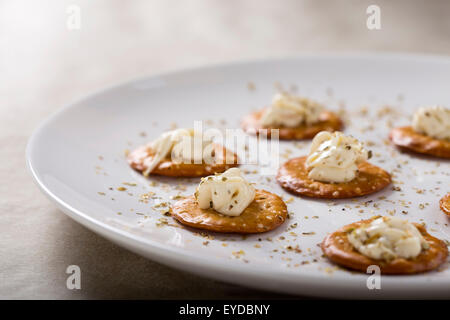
[(77, 159)]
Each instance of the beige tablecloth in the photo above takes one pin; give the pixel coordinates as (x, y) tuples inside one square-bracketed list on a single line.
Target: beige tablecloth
[(44, 65)]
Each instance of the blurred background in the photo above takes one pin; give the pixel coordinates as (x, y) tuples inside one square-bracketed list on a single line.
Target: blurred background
[(45, 64)]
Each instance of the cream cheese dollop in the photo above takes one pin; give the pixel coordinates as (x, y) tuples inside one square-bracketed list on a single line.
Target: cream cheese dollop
[(227, 193), (433, 121), (291, 111), (334, 157), (388, 238), (178, 143)]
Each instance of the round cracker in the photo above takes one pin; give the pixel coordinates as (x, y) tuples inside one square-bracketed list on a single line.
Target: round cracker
[(444, 204), (293, 176), (407, 138), (328, 121), (171, 169), (338, 249), (265, 213)]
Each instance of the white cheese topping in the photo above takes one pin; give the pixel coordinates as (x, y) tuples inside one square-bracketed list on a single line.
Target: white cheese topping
[(181, 145), (291, 111), (433, 121), (228, 193), (334, 157), (387, 238)]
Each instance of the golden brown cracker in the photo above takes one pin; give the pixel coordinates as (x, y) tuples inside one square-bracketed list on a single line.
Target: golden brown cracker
[(328, 121), (293, 176), (444, 204), (171, 169), (338, 249), (266, 212), (407, 138)]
